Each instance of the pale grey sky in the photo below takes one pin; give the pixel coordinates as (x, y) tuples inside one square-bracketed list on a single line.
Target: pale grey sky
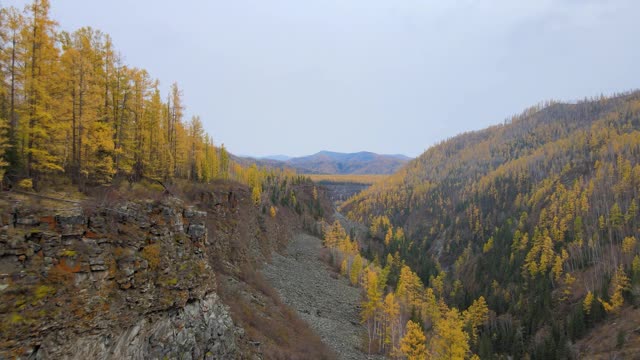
[(389, 76)]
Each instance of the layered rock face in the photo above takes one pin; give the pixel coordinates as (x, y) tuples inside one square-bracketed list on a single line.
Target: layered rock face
[(134, 280), (202, 329)]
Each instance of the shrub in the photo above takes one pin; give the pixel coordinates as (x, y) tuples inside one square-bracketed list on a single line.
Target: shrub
[(68, 253), (59, 275), (44, 291), (283, 333), (15, 318), (257, 281), (151, 253), (620, 339), (169, 281), (25, 184)]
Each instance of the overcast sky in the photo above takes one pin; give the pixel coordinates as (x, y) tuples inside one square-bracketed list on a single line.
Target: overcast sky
[(390, 76)]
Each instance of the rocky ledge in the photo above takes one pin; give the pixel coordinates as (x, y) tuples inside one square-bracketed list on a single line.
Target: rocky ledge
[(202, 329), (133, 280)]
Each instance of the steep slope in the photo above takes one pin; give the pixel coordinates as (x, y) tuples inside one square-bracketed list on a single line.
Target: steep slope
[(533, 214), (327, 302), (83, 284), (144, 273)]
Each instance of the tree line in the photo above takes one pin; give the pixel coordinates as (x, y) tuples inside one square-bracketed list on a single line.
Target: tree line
[(404, 318), (70, 106)]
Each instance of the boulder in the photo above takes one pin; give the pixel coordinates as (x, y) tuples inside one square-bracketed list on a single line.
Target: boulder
[(197, 232), (74, 219), (29, 220), (195, 216)]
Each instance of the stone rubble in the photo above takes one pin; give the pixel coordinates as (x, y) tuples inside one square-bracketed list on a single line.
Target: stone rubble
[(329, 304)]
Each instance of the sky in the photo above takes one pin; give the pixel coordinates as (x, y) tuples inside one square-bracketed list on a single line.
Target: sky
[(389, 76)]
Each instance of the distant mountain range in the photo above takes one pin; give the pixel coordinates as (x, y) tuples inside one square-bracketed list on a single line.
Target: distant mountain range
[(329, 162), (277, 157)]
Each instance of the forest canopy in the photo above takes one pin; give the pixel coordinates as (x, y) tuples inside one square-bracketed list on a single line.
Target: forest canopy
[(538, 215), (70, 106)]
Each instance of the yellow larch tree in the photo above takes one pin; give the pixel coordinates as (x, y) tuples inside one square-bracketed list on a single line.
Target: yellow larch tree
[(42, 135), (196, 149), (343, 267), (413, 343), (388, 237), (431, 308), (334, 235), (391, 331), (619, 284), (450, 341), (629, 245), (256, 194), (476, 315), (355, 270), (372, 303), (409, 289), (11, 24), (437, 283), (224, 162), (587, 303)]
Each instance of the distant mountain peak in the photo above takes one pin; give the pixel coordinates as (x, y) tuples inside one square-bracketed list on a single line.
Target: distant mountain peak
[(332, 162), (362, 162), (278, 157)]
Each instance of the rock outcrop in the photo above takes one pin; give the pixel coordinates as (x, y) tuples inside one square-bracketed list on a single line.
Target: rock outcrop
[(123, 276), (202, 329), (131, 281)]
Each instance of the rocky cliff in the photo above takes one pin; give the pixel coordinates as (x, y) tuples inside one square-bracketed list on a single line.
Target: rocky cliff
[(127, 278), (131, 280)]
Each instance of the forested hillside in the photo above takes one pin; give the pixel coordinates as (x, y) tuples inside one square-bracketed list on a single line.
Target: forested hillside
[(70, 105), (328, 162), (539, 215), (333, 163)]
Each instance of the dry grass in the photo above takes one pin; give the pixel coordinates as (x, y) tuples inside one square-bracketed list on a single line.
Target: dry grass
[(601, 341), (257, 307), (151, 253), (258, 282)]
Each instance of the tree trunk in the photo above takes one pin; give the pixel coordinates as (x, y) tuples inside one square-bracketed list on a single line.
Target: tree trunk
[(74, 157), (32, 101), (80, 124), (13, 119)]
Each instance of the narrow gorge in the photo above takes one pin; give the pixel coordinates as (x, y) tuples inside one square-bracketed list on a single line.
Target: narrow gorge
[(143, 276)]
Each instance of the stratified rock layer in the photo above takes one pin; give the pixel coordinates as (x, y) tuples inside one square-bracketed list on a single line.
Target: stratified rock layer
[(133, 280)]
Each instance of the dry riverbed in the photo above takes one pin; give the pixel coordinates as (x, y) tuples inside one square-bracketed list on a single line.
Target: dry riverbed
[(329, 305)]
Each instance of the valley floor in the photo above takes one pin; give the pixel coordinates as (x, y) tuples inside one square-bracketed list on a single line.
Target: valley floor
[(326, 301)]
